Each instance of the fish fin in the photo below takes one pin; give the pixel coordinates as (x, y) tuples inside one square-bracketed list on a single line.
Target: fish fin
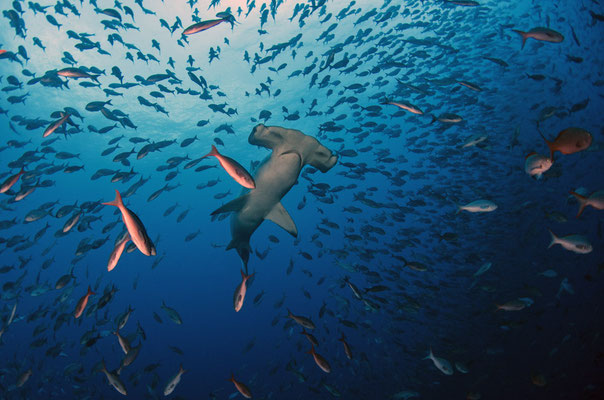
[(524, 37), (554, 239), (281, 217), (549, 144), (582, 202), (213, 152), (117, 202), (232, 206), (430, 354)]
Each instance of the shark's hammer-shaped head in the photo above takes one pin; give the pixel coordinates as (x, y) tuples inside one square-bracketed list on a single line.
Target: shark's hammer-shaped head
[(282, 141)]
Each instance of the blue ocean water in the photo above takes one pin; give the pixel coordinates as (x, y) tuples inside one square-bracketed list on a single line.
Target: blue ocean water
[(427, 105)]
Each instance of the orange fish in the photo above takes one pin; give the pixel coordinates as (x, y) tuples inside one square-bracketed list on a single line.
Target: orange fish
[(244, 390), (202, 26), (346, 347), (596, 200), (542, 34), (82, 303), (117, 251), (10, 181), (233, 168), (239, 295), (319, 360), (56, 124), (136, 229), (569, 141)]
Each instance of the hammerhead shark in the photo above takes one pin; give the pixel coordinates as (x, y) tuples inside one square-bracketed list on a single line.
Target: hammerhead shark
[(274, 177)]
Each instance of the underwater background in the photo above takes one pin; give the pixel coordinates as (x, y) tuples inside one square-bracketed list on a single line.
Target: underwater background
[(428, 106)]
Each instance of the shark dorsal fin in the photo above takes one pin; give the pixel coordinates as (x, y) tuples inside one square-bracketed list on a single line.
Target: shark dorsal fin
[(232, 206), (281, 217)]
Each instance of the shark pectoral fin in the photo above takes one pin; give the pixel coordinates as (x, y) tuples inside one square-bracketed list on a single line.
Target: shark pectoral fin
[(232, 206), (280, 216)]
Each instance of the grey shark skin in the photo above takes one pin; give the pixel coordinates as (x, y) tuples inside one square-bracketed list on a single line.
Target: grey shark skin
[(274, 177)]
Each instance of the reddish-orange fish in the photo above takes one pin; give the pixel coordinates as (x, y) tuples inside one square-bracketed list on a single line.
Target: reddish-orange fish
[(82, 303), (117, 251), (233, 168), (596, 200), (202, 26), (240, 291), (319, 360), (244, 390), (136, 229), (10, 181), (542, 34), (346, 347), (569, 141), (56, 124)]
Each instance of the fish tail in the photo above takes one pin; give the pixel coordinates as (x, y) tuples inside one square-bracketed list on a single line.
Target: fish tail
[(549, 144), (524, 37), (554, 239), (117, 202), (312, 350), (232, 378), (433, 119), (181, 369), (213, 152), (90, 291), (582, 202), (429, 356), (342, 338)]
